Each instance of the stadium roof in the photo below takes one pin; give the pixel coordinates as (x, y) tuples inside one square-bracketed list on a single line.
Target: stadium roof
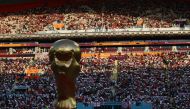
[(5, 2), (17, 5)]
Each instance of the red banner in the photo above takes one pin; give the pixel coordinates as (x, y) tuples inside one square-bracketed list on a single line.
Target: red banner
[(20, 6), (38, 3)]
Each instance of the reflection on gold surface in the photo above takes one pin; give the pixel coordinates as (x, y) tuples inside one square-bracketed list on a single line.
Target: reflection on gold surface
[(64, 57)]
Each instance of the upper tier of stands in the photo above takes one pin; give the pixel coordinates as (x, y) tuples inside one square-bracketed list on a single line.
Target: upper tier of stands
[(112, 15)]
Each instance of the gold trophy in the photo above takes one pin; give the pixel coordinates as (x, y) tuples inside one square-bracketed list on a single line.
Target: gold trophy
[(64, 57)]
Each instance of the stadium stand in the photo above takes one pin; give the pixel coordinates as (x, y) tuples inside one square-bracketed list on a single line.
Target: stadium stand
[(133, 14), (140, 78), (121, 75)]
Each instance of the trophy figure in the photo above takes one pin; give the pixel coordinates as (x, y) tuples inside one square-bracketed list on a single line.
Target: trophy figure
[(64, 58)]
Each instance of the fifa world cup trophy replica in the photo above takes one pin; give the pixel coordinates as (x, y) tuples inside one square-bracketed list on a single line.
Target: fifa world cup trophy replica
[(64, 57)]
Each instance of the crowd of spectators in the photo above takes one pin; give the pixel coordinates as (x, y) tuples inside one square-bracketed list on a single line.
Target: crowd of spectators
[(140, 77), (109, 15), (39, 94), (151, 78)]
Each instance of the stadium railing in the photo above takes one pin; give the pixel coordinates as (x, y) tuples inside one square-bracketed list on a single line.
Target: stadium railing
[(100, 33), (115, 105)]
